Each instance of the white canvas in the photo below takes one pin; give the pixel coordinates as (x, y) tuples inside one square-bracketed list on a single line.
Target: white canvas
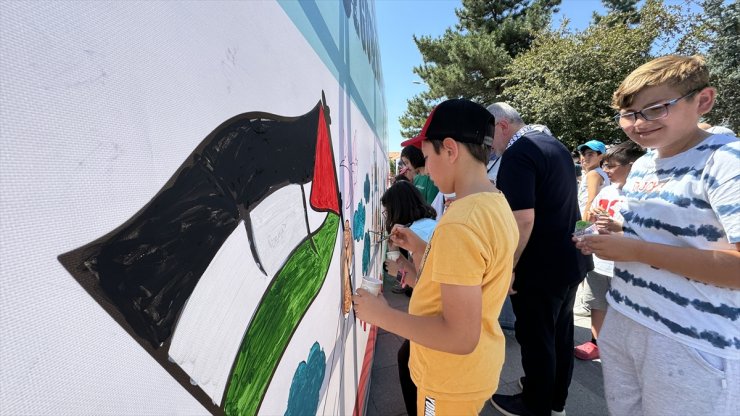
[(101, 103)]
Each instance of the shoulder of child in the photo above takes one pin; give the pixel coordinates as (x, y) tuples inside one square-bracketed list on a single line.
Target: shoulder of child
[(725, 157)]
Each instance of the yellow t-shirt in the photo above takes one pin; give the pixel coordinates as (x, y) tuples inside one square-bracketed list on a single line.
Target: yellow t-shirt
[(473, 245)]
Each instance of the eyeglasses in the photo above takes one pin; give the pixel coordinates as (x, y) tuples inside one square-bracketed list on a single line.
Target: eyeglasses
[(610, 166), (654, 112)]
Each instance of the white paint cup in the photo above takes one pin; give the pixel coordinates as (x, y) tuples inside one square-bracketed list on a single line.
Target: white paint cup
[(393, 255), (371, 284)]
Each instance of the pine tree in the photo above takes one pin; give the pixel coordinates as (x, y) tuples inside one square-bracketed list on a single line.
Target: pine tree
[(619, 11), (470, 60), (723, 59)]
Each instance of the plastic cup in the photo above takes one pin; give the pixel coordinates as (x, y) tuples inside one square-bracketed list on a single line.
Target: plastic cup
[(393, 255), (371, 284), (584, 228)]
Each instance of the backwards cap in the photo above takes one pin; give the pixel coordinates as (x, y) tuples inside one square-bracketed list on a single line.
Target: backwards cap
[(460, 119)]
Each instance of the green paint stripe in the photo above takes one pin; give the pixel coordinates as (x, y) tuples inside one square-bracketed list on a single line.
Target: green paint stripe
[(292, 292)]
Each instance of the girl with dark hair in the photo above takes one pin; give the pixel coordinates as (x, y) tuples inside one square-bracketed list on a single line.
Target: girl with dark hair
[(401, 177), (403, 204)]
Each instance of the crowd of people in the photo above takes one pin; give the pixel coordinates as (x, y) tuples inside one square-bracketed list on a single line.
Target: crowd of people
[(645, 234)]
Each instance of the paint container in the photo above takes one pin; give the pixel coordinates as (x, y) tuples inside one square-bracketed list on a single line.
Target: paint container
[(393, 255), (371, 284), (584, 228)]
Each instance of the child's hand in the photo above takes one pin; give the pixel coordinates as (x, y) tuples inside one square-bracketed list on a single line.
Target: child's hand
[(606, 224), (368, 307), (392, 266), (404, 263), (595, 212), (405, 238), (613, 247)]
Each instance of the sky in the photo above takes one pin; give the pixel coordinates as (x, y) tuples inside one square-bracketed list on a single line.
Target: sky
[(399, 20)]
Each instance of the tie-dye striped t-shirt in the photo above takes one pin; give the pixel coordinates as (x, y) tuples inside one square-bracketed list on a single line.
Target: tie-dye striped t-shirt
[(688, 200)]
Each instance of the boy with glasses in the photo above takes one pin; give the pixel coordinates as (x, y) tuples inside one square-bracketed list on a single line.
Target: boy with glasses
[(670, 343)]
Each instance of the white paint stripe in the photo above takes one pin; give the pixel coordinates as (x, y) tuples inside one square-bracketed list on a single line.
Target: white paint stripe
[(279, 225), (212, 325)]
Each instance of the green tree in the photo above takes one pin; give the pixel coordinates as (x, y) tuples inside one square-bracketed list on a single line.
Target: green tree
[(471, 59), (418, 108), (618, 11), (723, 59), (566, 80)]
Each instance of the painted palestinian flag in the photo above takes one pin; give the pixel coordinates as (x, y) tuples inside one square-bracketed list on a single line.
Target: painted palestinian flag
[(213, 276)]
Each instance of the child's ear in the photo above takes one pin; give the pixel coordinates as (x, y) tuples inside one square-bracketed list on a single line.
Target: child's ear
[(450, 147), (705, 100)]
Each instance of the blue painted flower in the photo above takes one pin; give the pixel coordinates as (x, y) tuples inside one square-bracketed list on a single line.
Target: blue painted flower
[(367, 188), (305, 388), (366, 255), (358, 222)]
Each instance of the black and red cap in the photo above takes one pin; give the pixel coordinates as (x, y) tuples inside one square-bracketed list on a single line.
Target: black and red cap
[(459, 119)]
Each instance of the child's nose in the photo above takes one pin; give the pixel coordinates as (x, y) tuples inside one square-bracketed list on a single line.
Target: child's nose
[(639, 119)]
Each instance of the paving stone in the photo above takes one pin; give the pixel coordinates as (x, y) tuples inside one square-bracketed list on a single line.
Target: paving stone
[(386, 349), (512, 369), (385, 392)]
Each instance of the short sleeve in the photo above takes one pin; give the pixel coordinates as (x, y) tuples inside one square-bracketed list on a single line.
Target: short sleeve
[(722, 181), (517, 175), (459, 256)]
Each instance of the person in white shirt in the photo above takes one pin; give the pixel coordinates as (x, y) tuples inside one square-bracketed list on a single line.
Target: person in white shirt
[(605, 213), (593, 178)]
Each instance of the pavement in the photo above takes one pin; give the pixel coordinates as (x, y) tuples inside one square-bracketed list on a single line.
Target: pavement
[(585, 396)]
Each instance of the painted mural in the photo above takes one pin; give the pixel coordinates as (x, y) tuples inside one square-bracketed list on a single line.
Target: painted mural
[(215, 208), (151, 267)]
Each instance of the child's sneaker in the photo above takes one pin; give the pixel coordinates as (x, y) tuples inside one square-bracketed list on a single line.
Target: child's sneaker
[(587, 351)]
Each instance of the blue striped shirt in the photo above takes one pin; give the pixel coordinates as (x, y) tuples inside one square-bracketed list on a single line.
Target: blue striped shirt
[(688, 200)]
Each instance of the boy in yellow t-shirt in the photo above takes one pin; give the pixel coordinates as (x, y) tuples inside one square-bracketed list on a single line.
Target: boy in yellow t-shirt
[(457, 347)]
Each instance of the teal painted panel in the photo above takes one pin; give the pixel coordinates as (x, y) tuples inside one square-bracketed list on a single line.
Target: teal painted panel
[(344, 36)]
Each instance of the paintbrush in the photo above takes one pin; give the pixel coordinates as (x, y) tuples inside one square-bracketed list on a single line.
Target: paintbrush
[(385, 237)]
